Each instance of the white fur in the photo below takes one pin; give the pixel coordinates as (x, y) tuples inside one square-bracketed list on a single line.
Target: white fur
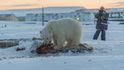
[(61, 31)]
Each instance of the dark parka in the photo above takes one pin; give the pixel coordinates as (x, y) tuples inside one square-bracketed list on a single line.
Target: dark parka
[(102, 18)]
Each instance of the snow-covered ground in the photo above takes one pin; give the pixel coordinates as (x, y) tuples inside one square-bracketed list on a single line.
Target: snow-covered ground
[(107, 55), (14, 30)]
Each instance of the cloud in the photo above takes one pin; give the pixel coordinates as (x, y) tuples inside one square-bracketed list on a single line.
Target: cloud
[(121, 3), (23, 5)]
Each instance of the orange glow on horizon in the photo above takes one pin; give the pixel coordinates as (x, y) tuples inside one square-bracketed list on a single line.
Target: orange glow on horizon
[(28, 4)]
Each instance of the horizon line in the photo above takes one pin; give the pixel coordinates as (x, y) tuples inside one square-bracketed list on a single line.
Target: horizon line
[(55, 6)]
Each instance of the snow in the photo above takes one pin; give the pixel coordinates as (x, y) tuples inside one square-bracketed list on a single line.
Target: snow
[(107, 55), (18, 30), (65, 63)]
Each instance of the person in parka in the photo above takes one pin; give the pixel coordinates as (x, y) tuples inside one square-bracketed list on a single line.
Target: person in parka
[(102, 25)]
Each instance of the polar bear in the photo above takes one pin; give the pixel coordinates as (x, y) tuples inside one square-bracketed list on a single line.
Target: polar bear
[(63, 32)]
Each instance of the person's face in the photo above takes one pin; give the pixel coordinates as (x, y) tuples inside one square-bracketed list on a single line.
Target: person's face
[(102, 8)]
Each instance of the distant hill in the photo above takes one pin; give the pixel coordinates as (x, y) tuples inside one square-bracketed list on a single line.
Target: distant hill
[(115, 10), (22, 12), (110, 10)]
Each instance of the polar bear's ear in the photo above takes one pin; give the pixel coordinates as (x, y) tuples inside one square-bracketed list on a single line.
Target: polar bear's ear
[(42, 34)]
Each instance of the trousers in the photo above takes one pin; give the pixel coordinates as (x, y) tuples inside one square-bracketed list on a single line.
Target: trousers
[(96, 35)]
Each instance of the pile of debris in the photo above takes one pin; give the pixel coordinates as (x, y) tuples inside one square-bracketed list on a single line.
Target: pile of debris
[(49, 48)]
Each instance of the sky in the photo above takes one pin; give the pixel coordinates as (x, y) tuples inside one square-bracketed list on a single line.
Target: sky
[(90, 4)]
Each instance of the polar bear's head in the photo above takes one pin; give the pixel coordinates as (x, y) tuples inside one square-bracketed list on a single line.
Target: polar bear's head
[(46, 35)]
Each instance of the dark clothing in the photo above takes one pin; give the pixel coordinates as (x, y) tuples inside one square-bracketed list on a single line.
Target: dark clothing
[(97, 34), (102, 25), (102, 18)]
